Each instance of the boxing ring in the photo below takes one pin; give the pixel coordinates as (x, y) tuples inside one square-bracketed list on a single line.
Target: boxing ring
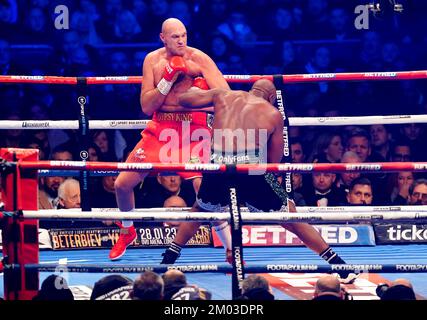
[(21, 169)]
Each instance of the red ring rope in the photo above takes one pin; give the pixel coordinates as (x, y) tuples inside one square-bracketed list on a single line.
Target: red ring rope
[(292, 78)]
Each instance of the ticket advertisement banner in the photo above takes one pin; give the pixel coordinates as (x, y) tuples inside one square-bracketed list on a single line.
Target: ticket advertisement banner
[(387, 233), (93, 238)]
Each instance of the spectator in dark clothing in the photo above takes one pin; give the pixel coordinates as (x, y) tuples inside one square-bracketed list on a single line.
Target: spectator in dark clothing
[(359, 141), (327, 148), (174, 280), (381, 141), (401, 151), (154, 193), (341, 26), (398, 186), (415, 134), (148, 286), (360, 192), (399, 289), (36, 29), (297, 151), (104, 195), (346, 178), (323, 191), (105, 25), (112, 287), (8, 28), (417, 194), (177, 288), (54, 288), (256, 287), (127, 28)]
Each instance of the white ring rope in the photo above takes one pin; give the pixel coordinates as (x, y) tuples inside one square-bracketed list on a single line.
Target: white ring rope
[(299, 209), (141, 124), (271, 217)]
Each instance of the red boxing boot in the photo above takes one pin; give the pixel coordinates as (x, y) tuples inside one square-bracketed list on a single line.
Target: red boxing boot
[(127, 236)]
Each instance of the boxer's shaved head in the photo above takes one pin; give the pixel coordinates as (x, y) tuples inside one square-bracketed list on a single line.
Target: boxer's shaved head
[(172, 24), (265, 89), (174, 37)]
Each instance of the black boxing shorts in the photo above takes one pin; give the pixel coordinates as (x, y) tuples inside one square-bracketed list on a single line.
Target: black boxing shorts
[(258, 192)]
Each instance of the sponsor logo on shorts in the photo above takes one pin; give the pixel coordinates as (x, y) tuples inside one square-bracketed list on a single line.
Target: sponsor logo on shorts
[(230, 159), (194, 159), (140, 153), (172, 116)]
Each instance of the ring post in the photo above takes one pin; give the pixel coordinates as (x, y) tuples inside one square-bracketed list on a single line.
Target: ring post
[(20, 237), (83, 142), (287, 156), (238, 273)]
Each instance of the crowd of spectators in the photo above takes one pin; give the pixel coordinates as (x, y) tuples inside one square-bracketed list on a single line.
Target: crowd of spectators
[(112, 37), (173, 285), (149, 286)]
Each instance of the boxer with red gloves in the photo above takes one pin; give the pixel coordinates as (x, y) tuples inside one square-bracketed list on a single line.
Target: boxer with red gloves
[(167, 73), (200, 83), (174, 67)]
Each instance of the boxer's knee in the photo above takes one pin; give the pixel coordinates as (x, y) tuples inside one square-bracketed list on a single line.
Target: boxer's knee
[(197, 182), (123, 185)]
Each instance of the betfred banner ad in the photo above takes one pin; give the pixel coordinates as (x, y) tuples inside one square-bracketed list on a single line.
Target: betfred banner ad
[(277, 236), (387, 233), (93, 238)]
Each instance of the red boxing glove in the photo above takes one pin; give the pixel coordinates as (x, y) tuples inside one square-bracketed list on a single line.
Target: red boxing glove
[(201, 83), (173, 69)]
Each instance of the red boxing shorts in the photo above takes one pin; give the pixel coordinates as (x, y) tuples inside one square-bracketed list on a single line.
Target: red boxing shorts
[(175, 137)]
